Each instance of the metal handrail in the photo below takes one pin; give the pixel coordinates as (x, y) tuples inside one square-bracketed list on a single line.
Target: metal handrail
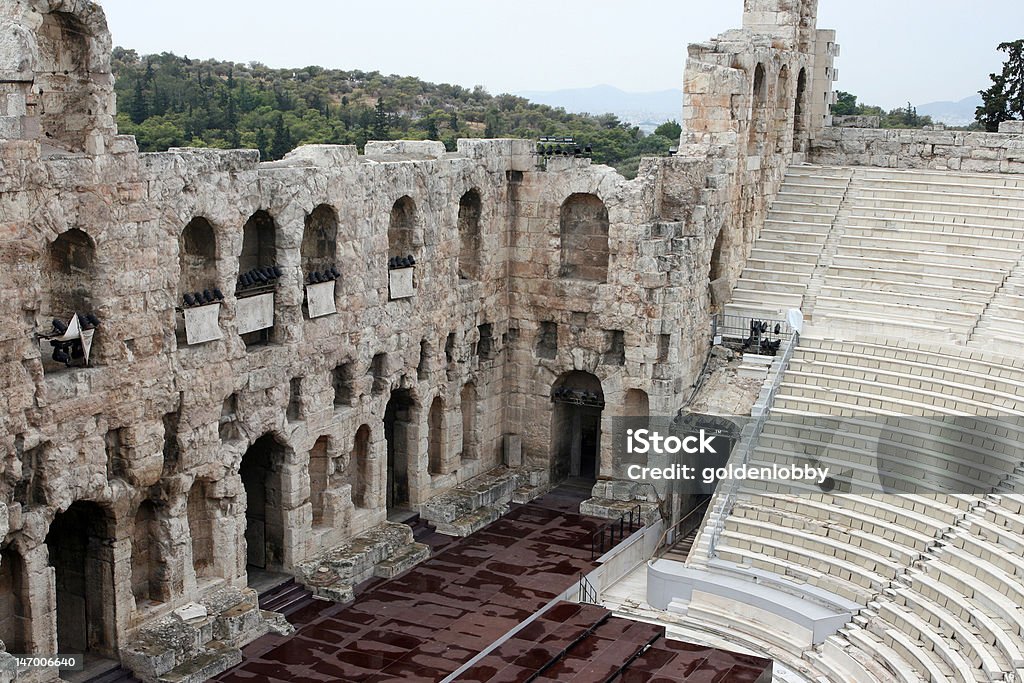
[(693, 519), (587, 594), (634, 524), (727, 491)]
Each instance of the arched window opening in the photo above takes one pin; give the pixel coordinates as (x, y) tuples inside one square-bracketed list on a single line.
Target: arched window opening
[(758, 100), (469, 236), (402, 238), (69, 277), (583, 226), (63, 83), (319, 243), (359, 468), (468, 401), (799, 123), (146, 560), (319, 476), (197, 257), (436, 445)]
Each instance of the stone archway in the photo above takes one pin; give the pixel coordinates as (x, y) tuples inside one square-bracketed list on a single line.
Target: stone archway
[(15, 619), (400, 434), (81, 552), (264, 515), (576, 426)]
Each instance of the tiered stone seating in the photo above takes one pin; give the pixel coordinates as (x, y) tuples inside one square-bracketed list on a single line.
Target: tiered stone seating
[(959, 235), (915, 308), (790, 243)]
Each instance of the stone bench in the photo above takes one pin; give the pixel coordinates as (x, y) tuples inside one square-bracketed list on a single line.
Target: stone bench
[(981, 654)]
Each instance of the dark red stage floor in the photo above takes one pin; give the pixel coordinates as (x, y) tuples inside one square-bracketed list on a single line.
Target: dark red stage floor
[(427, 623)]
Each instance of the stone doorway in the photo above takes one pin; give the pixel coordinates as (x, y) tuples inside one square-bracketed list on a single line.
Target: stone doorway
[(399, 432), (264, 519), (576, 427), (81, 551)]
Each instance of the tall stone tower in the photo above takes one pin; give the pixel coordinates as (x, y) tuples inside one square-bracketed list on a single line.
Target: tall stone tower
[(55, 80), (791, 20)]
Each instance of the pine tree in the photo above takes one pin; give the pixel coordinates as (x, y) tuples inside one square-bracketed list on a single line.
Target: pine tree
[(282, 139), (138, 111), (1004, 100), (380, 129)]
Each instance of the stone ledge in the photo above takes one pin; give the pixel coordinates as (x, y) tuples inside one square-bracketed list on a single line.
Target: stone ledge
[(483, 499), (187, 651), (384, 552)]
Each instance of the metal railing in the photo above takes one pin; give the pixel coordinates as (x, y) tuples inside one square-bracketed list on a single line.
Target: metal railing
[(611, 534), (588, 594), (689, 523), (742, 328), (725, 496)]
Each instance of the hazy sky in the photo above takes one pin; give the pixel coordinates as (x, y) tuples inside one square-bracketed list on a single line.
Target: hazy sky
[(892, 50)]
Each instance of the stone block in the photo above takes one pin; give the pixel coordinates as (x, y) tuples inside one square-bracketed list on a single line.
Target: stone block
[(1012, 127)]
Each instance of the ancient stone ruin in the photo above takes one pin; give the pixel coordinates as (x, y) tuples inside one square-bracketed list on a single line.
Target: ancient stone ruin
[(217, 369)]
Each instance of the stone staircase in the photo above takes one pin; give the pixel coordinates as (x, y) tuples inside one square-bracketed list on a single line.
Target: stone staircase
[(383, 552), (1001, 326), (789, 247), (484, 499), (197, 642), (872, 251)]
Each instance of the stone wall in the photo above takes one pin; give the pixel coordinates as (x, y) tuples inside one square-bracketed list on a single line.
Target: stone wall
[(153, 445), (940, 150)]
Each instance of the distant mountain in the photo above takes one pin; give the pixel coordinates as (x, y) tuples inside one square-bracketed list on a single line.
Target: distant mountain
[(952, 113), (645, 109)]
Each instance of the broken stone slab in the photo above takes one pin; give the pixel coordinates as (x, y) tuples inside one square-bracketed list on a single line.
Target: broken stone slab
[(212, 660), (524, 494), (614, 509), (472, 521), (384, 552), (190, 612), (354, 561), (494, 488), (232, 618), (406, 558), (276, 623)]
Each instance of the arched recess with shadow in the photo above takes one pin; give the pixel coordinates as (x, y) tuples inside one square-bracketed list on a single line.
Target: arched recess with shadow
[(80, 548), (469, 235), (583, 229), (359, 476), (781, 126), (576, 426), (319, 240), (758, 104), (799, 112), (261, 473), (401, 435), (402, 237), (15, 606), (319, 474)]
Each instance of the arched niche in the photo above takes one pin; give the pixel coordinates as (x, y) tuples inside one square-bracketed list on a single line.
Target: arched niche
[(319, 240), (469, 235), (583, 229)]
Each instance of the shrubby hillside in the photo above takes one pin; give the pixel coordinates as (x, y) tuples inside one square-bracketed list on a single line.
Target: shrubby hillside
[(170, 101)]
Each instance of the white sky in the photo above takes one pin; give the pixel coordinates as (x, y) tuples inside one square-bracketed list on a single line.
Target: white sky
[(892, 50)]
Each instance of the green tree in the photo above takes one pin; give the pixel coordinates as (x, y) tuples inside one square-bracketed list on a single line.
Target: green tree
[(670, 129), (1004, 100), (381, 127), (846, 104), (282, 143)]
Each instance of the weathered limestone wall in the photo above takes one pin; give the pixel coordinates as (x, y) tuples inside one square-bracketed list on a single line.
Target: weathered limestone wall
[(574, 269), (922, 149)]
